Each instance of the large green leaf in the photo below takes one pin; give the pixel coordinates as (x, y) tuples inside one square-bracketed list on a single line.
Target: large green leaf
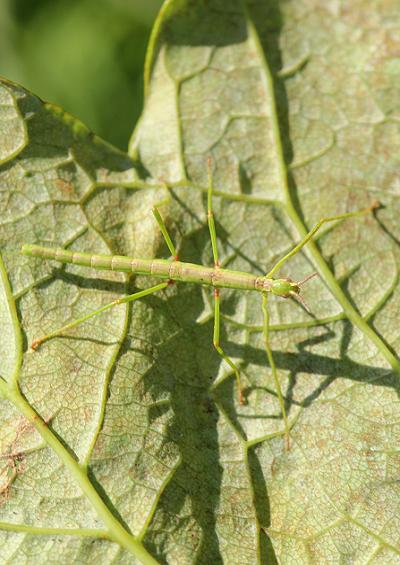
[(130, 423)]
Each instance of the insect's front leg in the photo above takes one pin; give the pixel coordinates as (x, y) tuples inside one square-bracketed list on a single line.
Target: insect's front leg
[(314, 230)]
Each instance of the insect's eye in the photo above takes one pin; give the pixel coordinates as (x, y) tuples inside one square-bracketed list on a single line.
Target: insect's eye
[(295, 288)]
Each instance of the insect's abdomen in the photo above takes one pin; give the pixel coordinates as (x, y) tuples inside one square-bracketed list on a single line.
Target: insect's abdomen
[(120, 263), (160, 268)]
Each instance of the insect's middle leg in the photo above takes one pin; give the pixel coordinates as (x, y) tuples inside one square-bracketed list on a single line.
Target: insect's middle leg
[(217, 321)]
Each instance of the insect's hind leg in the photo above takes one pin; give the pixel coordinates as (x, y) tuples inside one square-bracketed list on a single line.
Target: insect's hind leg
[(217, 299), (130, 298), (165, 233), (314, 230), (272, 364)]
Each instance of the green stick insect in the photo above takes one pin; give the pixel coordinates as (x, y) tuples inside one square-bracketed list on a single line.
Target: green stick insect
[(174, 270)]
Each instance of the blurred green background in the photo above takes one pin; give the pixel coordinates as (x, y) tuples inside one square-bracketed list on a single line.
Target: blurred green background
[(86, 55)]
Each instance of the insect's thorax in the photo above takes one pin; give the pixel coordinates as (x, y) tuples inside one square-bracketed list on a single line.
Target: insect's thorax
[(224, 278), (212, 276)]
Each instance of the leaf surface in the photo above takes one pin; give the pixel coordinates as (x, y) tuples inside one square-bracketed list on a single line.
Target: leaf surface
[(300, 115)]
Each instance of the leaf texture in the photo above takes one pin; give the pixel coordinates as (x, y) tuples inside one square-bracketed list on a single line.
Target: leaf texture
[(130, 423)]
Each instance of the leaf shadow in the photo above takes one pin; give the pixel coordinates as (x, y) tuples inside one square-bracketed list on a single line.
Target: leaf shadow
[(267, 19), (185, 377), (304, 361), (84, 282), (176, 372), (183, 368)]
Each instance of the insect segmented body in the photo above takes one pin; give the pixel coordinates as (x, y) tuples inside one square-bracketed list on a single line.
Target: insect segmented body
[(179, 271)]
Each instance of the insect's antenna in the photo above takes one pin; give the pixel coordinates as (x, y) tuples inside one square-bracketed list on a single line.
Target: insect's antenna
[(307, 278), (300, 299)]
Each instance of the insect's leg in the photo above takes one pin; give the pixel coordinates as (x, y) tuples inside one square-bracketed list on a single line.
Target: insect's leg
[(219, 348), (130, 298), (271, 362), (210, 216), (314, 230), (165, 233), (217, 322)]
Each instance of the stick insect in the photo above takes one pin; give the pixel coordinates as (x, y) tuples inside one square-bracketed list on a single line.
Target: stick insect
[(174, 270)]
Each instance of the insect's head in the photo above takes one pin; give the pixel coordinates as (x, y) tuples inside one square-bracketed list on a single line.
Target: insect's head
[(288, 288)]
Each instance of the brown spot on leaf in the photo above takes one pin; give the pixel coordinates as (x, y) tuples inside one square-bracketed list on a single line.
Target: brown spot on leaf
[(66, 188)]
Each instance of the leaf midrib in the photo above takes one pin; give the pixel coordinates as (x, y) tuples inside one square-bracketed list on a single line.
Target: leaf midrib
[(291, 211), (10, 390)]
